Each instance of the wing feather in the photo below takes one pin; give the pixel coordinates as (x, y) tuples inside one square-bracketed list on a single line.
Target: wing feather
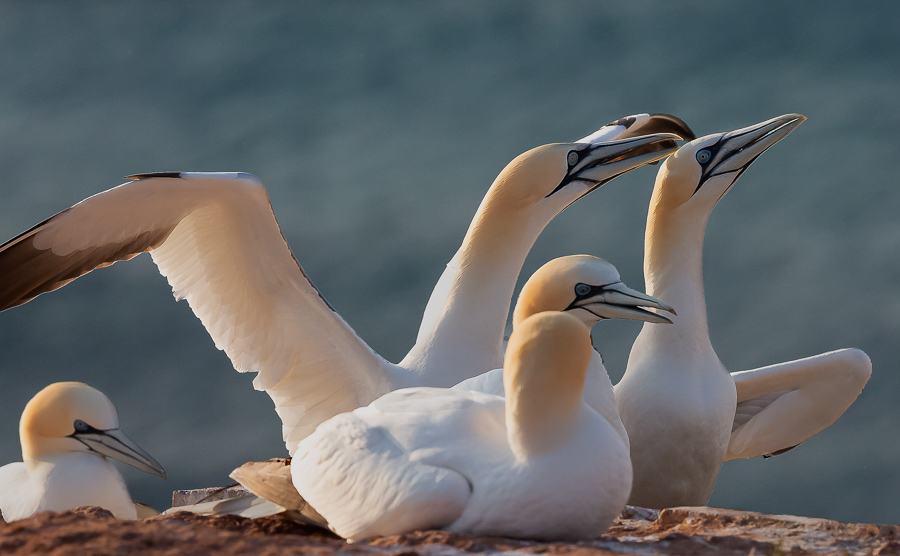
[(782, 405), (217, 241), (365, 484)]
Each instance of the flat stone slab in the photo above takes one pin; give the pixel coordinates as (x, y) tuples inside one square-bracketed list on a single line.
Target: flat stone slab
[(212, 494)]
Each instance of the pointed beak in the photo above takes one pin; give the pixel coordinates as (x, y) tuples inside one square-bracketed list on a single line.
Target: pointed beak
[(741, 147), (618, 301), (641, 124), (606, 160), (114, 444)]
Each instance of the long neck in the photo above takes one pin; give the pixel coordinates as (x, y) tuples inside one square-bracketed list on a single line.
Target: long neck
[(467, 337), (544, 399), (673, 272)]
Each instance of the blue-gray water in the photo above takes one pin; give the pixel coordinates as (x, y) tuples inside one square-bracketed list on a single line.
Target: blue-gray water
[(377, 128)]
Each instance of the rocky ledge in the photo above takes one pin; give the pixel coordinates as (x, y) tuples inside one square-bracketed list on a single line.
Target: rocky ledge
[(675, 531)]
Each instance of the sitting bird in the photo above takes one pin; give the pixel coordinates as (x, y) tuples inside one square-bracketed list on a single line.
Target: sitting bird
[(68, 433), (538, 464)]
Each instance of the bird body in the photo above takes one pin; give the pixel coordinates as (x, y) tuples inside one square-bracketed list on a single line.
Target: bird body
[(539, 464), (679, 442), (48, 484), (68, 430)]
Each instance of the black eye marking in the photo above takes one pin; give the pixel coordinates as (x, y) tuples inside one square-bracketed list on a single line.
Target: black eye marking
[(572, 160), (705, 157), (584, 291)]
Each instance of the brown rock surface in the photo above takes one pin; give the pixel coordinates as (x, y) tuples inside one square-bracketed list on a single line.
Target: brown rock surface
[(675, 531)]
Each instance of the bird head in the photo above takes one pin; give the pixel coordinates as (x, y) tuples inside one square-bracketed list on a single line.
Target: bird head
[(587, 287), (703, 171), (68, 417), (558, 174)]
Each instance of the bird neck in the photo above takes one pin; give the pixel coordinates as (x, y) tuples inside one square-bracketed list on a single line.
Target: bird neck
[(541, 414), (467, 338), (673, 272), (544, 386)]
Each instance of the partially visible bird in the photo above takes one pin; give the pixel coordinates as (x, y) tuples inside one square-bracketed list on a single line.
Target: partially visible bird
[(68, 431)]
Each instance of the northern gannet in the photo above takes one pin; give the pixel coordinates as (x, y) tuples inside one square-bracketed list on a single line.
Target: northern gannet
[(216, 239), (591, 289), (68, 430), (538, 464), (684, 412)]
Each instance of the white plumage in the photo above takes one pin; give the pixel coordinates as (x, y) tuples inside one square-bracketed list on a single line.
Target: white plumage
[(540, 464)]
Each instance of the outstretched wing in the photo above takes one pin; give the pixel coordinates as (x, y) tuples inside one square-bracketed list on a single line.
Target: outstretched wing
[(782, 405), (215, 237), (360, 479)]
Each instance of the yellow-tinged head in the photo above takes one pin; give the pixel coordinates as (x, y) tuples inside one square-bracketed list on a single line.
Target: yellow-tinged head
[(571, 170), (49, 418), (546, 362), (540, 183), (702, 172), (587, 287), (70, 417), (561, 173)]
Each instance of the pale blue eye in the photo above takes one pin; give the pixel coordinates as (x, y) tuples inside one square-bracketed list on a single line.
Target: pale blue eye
[(81, 426), (572, 158), (582, 289), (703, 156)]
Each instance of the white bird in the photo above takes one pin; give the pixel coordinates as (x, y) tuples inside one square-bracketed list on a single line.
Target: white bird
[(591, 289), (215, 237), (68, 430), (540, 464), (684, 413)]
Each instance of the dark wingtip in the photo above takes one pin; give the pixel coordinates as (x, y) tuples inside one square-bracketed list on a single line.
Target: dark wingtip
[(154, 175), (667, 123)]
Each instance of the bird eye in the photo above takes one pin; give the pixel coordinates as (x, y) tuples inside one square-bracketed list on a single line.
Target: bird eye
[(703, 156), (572, 158), (582, 289), (81, 426)]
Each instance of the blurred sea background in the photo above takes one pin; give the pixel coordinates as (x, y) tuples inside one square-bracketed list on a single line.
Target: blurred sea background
[(377, 127)]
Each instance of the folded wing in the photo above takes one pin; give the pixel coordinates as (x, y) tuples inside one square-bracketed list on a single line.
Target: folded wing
[(782, 405), (366, 484)]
